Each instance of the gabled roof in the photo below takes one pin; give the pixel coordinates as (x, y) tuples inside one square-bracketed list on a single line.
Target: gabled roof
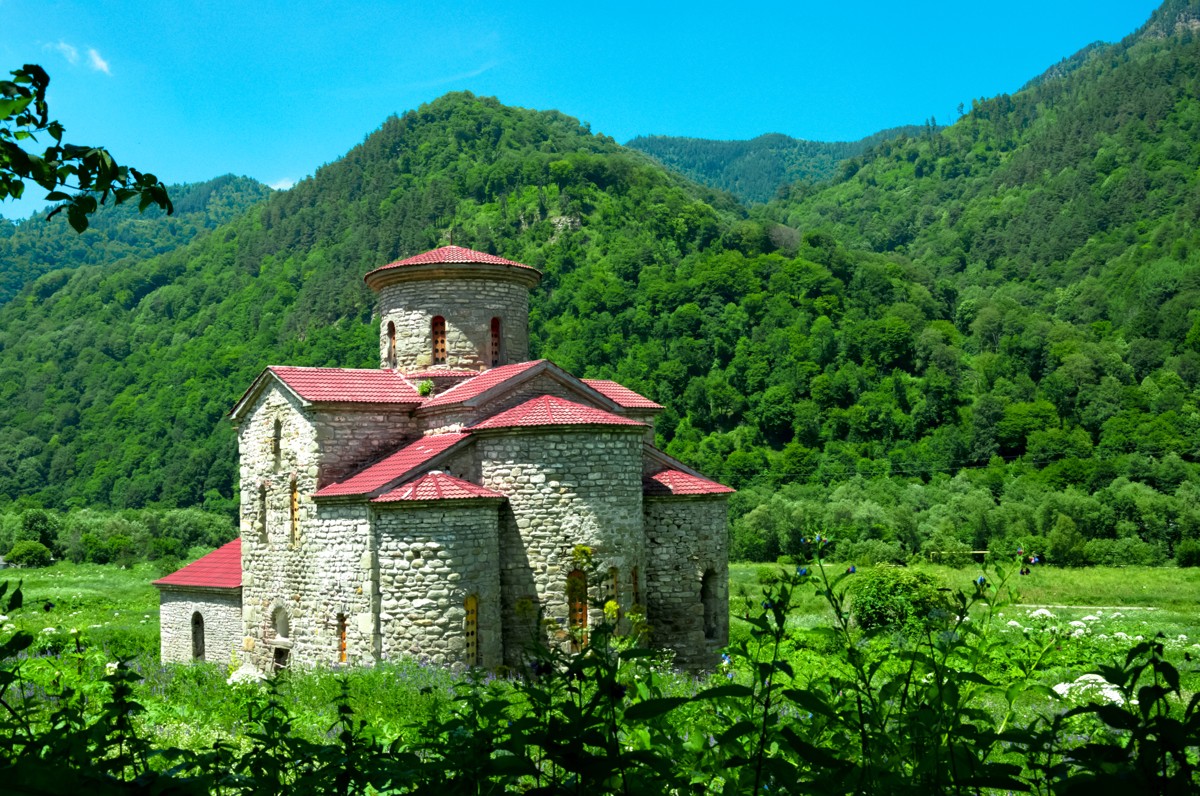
[(461, 393), (621, 395), (436, 485), (220, 569), (449, 256), (677, 482), (549, 410), (335, 385), (393, 467)]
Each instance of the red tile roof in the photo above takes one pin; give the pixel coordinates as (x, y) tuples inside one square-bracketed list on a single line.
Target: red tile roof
[(620, 394), (677, 482), (436, 486), (220, 569), (548, 410), (444, 373), (450, 254), (397, 465), (348, 385), (480, 384)]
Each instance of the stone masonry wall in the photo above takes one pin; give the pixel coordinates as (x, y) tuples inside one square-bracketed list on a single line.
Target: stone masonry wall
[(687, 538), (468, 305), (352, 438), (222, 614), (326, 570), (432, 556), (565, 487)]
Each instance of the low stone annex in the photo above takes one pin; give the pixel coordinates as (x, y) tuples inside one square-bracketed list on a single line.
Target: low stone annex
[(437, 506)]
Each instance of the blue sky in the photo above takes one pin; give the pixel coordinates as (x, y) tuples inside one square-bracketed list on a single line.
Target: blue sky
[(273, 90)]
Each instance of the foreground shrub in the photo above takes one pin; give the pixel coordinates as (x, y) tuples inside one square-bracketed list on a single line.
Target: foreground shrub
[(915, 715), (1187, 553), (889, 596), (29, 554)]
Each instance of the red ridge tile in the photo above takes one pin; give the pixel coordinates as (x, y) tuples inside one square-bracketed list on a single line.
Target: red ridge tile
[(396, 465), (436, 486), (677, 482), (220, 569), (549, 410)]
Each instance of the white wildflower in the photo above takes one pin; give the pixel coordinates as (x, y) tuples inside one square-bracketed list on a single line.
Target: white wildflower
[(1090, 688), (1077, 623), (1120, 635), (3, 618), (111, 667), (1181, 637), (49, 630), (1117, 615), (1041, 613), (1139, 638), (1091, 618), (1013, 623), (1079, 631), (246, 674)]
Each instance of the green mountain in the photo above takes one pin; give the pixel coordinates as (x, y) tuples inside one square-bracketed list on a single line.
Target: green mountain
[(34, 246), (755, 170), (983, 335)]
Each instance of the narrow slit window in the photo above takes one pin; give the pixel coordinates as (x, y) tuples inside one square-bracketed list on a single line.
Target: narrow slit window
[(277, 442), (612, 594), (294, 518), (577, 609), (391, 347), (341, 632), (262, 513), (280, 623), (197, 637), (438, 328), (471, 630), (708, 598), (495, 342), (637, 589)]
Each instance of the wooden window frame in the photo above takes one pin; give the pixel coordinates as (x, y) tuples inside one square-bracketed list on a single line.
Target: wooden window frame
[(437, 331), (471, 630)]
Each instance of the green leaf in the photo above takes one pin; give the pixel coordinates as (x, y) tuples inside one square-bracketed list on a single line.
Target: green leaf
[(731, 690), (652, 708)]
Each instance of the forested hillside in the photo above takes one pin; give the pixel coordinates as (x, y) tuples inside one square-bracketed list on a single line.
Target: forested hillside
[(755, 170), (984, 335), (35, 246)]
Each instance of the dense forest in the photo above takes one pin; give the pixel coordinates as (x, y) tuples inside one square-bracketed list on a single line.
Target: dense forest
[(36, 245), (980, 335), (755, 170)]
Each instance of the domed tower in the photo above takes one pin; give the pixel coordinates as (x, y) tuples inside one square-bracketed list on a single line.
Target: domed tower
[(453, 308)]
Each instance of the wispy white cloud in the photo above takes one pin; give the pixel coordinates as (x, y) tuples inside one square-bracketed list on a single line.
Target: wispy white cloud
[(65, 50), (441, 81), (284, 184), (96, 62)]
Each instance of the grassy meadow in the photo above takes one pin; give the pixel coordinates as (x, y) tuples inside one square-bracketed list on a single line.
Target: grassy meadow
[(1094, 615)]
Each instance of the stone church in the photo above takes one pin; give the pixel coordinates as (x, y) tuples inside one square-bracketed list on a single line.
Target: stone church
[(455, 504)]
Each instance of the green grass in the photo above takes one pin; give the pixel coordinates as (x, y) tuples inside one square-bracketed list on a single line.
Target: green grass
[(115, 608)]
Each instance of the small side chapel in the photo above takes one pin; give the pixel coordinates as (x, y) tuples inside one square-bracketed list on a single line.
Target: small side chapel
[(435, 507)]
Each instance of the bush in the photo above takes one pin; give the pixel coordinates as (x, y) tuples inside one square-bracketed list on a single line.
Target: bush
[(29, 554), (888, 596), (1127, 552), (1187, 553), (870, 552)]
